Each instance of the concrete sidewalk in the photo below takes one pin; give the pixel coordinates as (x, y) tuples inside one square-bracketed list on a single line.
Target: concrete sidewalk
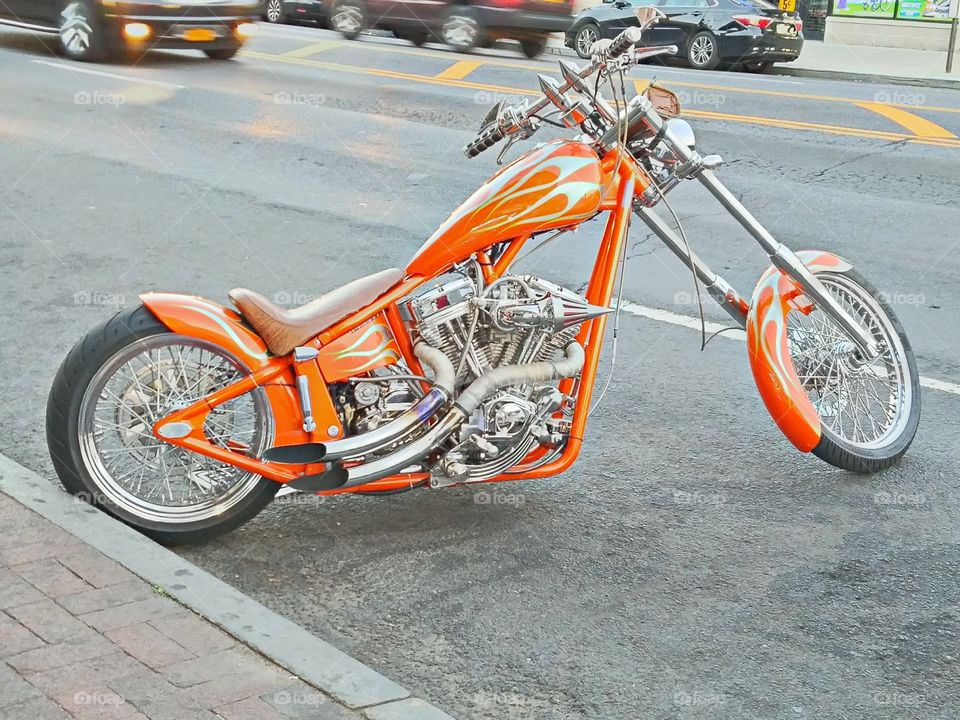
[(84, 636), (873, 64)]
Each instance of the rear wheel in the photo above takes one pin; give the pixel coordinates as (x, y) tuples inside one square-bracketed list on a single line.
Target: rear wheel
[(348, 19), (82, 33), (759, 66), (585, 38), (868, 412), (275, 11), (107, 395), (461, 29), (533, 46), (703, 51)]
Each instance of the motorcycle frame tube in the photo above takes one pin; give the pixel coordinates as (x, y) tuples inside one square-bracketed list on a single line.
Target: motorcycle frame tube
[(782, 257)]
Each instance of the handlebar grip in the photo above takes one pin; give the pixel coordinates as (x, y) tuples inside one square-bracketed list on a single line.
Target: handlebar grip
[(624, 41), (487, 140)]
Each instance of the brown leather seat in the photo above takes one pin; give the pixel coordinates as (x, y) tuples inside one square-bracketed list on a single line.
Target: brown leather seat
[(284, 329)]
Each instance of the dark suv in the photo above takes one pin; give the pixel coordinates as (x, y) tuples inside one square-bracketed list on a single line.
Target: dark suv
[(94, 30), (461, 25)]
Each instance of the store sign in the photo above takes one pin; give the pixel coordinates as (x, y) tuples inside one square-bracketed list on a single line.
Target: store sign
[(924, 9), (866, 8)]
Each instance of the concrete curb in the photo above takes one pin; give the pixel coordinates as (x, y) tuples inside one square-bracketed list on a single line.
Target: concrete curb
[(282, 641)]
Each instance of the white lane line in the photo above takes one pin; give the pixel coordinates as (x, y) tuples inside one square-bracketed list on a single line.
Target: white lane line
[(693, 323), (115, 76)]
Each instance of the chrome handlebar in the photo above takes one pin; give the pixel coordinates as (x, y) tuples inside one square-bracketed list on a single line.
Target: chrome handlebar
[(521, 118)]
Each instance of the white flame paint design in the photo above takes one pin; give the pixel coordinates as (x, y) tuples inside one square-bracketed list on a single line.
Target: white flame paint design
[(378, 354)]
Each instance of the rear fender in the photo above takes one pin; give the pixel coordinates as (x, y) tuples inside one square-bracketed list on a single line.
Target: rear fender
[(769, 352)]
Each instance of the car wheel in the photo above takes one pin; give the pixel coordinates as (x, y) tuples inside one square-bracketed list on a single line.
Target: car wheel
[(81, 32), (222, 53), (348, 19), (703, 51), (533, 46), (461, 30), (758, 66), (275, 11), (585, 38)]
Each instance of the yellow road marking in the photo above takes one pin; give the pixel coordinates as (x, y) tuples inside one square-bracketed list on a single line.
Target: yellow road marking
[(497, 62), (466, 84), (459, 70), (313, 49), (914, 123)]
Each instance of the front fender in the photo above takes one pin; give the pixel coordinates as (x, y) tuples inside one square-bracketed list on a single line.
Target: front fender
[(769, 351), (206, 320)]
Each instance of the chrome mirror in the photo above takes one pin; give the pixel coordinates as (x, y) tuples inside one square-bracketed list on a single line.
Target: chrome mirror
[(682, 131)]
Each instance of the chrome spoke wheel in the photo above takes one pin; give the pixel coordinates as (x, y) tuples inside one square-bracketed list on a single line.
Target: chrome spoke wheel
[(274, 11), (864, 405), (460, 31), (585, 40), (701, 50), (151, 479), (348, 19), (75, 30)]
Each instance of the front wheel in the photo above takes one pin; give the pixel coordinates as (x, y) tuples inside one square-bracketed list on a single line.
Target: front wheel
[(275, 12), (222, 53), (107, 395), (703, 51), (869, 413), (585, 38), (82, 32)]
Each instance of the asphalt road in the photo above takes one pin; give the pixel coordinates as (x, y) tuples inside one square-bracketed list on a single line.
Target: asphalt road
[(691, 564)]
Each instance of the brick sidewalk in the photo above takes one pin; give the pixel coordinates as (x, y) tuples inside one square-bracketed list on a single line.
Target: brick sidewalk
[(82, 637)]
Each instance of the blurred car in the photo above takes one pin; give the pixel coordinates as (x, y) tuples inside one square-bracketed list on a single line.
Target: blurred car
[(751, 34), (283, 11), (461, 25), (93, 30)]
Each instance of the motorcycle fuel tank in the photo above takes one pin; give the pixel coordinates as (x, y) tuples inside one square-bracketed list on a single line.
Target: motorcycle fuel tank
[(555, 185)]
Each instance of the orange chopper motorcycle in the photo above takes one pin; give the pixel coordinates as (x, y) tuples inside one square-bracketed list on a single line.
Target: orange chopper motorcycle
[(184, 418)]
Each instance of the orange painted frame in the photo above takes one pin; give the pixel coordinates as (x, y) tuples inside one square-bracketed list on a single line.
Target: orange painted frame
[(623, 179)]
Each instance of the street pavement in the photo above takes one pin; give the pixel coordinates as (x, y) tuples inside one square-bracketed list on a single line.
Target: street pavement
[(691, 564)]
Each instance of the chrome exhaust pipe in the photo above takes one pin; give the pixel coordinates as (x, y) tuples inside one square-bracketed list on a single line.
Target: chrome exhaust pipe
[(419, 414), (339, 478)]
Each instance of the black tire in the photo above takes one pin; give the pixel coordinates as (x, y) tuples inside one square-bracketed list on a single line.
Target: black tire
[(837, 450), (582, 40), (82, 34), (348, 19), (703, 51), (462, 29), (222, 53), (760, 66), (63, 421), (534, 45), (274, 12)]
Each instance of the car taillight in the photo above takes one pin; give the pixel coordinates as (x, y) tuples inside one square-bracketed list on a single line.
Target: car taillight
[(753, 21)]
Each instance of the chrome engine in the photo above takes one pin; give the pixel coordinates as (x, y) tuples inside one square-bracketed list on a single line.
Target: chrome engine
[(513, 321)]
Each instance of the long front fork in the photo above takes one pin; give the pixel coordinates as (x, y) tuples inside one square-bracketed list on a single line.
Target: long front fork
[(780, 255)]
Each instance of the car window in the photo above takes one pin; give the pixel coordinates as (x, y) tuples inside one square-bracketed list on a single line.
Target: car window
[(754, 4)]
